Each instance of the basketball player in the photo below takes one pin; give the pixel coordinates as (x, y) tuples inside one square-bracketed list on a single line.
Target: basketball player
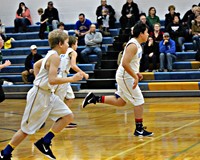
[(68, 61), (41, 100), (127, 78)]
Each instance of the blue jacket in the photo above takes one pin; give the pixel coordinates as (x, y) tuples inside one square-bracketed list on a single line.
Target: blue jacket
[(170, 47)]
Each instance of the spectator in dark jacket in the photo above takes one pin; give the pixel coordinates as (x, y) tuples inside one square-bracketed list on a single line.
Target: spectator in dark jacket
[(170, 16), (130, 14), (188, 14), (177, 32), (52, 14), (103, 12), (29, 62), (150, 54), (167, 48), (43, 24)]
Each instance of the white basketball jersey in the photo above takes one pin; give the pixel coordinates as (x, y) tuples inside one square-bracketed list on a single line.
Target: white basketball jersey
[(135, 62), (65, 63), (41, 80)]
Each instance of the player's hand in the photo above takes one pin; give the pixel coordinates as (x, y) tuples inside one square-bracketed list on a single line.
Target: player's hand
[(86, 76), (140, 76), (135, 83), (78, 76), (7, 63)]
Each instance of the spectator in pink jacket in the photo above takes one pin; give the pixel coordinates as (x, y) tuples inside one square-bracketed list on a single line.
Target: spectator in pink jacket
[(23, 17)]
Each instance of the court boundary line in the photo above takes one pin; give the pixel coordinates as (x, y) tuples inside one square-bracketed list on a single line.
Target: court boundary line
[(183, 151), (156, 138)]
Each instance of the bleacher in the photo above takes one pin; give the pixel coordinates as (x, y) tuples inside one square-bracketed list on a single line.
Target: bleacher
[(183, 81)]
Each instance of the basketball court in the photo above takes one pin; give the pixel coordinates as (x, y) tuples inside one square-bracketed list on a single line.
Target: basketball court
[(106, 133)]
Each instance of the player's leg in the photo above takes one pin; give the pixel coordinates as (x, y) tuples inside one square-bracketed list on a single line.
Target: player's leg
[(136, 98), (69, 98), (115, 100), (62, 116), (18, 137)]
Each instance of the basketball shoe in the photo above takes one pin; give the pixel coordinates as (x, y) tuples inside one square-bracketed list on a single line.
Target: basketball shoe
[(142, 132), (90, 98), (45, 148), (5, 157)]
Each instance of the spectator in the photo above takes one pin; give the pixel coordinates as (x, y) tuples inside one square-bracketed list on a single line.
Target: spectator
[(196, 12), (188, 14), (150, 54), (157, 34), (2, 30), (143, 19), (177, 32), (167, 50), (43, 23), (130, 14), (23, 18), (170, 16), (61, 26), (7, 63), (196, 32), (152, 18), (29, 62), (52, 14), (105, 16), (82, 27), (93, 42)]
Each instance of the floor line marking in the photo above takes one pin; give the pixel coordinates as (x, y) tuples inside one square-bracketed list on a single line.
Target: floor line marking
[(157, 138), (183, 151)]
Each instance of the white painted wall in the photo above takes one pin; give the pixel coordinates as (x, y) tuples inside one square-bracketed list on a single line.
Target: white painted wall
[(69, 9)]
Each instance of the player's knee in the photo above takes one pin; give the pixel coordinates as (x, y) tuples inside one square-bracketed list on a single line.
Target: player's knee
[(120, 101), (69, 118)]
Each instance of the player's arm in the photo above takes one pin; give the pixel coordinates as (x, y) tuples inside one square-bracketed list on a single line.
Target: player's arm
[(52, 65), (130, 52), (37, 66), (74, 65)]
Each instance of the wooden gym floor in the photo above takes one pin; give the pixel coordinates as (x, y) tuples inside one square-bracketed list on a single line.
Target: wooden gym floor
[(106, 133)]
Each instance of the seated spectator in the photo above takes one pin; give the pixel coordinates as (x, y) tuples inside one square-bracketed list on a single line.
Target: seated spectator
[(186, 22), (2, 30), (29, 62), (187, 15), (170, 16), (52, 14), (105, 16), (177, 32), (93, 42), (7, 63), (143, 19), (23, 18), (196, 12), (157, 34), (61, 26), (130, 15), (150, 54), (167, 48), (196, 32), (82, 27), (152, 18), (43, 23)]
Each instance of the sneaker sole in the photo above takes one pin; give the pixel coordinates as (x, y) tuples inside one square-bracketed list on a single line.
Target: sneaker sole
[(144, 136), (85, 99)]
